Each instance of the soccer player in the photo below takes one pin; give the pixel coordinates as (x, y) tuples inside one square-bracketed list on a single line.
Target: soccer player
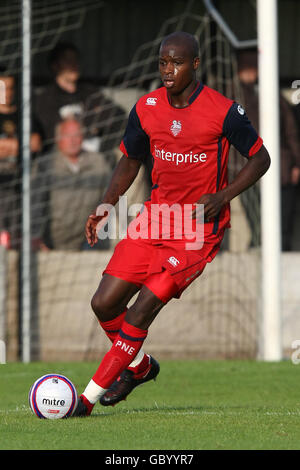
[(187, 128)]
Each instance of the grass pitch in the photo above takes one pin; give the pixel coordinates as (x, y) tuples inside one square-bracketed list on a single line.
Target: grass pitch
[(193, 405)]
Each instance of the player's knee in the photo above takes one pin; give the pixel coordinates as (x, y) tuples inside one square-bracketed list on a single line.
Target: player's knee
[(102, 306), (95, 305)]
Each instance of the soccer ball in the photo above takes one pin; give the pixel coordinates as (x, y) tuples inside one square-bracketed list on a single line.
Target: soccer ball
[(53, 396)]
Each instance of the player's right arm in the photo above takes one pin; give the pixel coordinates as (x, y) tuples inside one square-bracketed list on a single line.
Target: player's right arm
[(122, 178), (136, 147)]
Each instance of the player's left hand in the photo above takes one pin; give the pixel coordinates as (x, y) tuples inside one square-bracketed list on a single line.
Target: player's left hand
[(213, 203)]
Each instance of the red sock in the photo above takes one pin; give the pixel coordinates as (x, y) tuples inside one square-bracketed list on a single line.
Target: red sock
[(142, 368), (112, 327), (89, 405), (124, 349)]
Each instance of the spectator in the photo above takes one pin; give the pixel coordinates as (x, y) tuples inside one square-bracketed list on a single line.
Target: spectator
[(65, 185), (289, 153), (10, 162), (68, 96)]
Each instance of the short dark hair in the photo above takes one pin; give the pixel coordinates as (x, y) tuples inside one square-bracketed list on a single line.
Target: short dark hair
[(183, 37), (64, 56)]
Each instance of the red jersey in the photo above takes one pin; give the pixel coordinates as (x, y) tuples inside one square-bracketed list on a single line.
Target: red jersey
[(189, 146)]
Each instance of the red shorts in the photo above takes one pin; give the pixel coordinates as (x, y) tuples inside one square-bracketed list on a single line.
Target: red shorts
[(164, 266)]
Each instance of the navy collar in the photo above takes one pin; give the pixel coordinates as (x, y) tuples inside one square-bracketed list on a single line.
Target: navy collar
[(197, 90)]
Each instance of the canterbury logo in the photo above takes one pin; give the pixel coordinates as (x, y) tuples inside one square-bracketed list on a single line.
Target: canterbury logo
[(174, 261), (151, 101)]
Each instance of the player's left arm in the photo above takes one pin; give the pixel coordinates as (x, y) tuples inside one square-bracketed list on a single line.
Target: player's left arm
[(254, 169), (239, 131)]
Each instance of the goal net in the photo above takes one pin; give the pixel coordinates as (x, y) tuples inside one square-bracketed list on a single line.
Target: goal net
[(222, 305)]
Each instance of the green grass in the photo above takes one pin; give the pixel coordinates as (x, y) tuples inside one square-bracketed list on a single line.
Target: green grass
[(193, 405)]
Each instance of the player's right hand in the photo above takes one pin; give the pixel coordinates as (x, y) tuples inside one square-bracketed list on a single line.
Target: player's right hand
[(93, 225), (90, 228)]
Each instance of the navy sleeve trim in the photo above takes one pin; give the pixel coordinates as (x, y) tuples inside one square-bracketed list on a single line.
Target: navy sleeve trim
[(238, 130), (219, 161), (135, 139)]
